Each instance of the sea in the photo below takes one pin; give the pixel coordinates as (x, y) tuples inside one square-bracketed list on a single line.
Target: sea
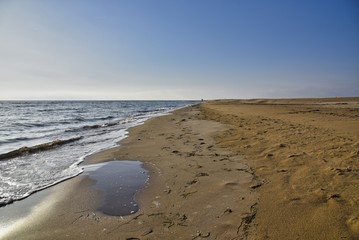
[(43, 142)]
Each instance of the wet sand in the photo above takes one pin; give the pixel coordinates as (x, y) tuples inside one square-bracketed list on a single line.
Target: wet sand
[(230, 169)]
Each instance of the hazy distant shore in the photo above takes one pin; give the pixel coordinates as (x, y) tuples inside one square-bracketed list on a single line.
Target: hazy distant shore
[(226, 169)]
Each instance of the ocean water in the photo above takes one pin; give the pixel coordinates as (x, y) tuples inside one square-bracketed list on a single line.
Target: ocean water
[(43, 142), (119, 181)]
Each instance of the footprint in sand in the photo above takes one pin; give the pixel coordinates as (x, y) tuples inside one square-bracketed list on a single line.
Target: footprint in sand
[(232, 185), (353, 223)]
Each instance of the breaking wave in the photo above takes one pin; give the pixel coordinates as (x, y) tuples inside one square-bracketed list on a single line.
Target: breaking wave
[(37, 148)]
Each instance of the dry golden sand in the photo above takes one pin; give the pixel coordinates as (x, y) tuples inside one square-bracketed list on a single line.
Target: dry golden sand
[(235, 169), (306, 153)]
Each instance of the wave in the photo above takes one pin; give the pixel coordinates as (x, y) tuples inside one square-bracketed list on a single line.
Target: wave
[(107, 118), (148, 111), (83, 119), (16, 139), (30, 125), (37, 148), (79, 129), (8, 200), (110, 124), (89, 127)]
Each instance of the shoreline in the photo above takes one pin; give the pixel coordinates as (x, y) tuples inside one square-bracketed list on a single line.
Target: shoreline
[(67, 141), (220, 170)]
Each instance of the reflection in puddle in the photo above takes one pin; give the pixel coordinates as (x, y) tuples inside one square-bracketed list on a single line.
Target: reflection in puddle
[(120, 181)]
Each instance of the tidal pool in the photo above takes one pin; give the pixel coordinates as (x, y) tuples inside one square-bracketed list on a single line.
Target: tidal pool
[(119, 181)]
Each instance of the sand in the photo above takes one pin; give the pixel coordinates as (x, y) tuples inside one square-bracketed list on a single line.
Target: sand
[(229, 169), (306, 153)]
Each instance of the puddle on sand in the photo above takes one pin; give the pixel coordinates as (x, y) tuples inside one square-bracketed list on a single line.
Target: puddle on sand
[(120, 181)]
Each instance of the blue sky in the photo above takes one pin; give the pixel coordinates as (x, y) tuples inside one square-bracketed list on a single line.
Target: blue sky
[(73, 49)]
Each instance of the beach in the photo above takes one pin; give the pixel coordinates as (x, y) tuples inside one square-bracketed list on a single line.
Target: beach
[(224, 169)]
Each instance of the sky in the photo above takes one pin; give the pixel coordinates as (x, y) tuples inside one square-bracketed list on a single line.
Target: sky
[(184, 49)]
